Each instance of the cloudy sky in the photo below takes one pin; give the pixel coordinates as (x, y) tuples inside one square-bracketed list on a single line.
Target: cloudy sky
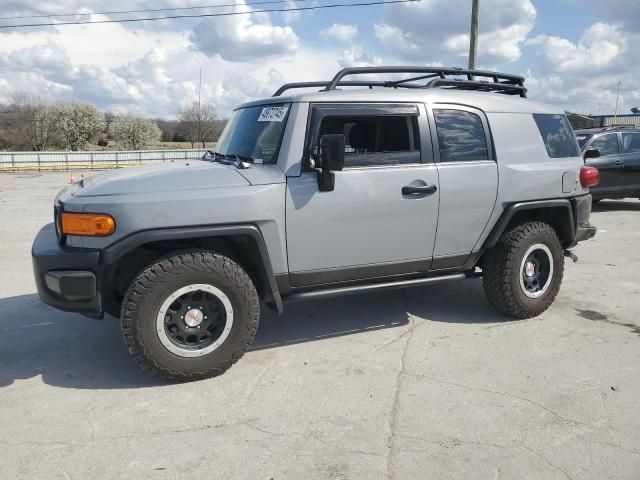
[(573, 52)]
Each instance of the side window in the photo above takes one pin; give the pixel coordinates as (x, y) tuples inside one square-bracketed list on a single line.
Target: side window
[(557, 135), (631, 142), (606, 144), (372, 140), (461, 136)]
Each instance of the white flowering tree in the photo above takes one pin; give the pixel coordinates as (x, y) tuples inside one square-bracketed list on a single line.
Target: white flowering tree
[(134, 132), (77, 122)]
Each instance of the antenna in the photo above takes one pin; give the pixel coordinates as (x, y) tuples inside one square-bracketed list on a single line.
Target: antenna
[(199, 90)]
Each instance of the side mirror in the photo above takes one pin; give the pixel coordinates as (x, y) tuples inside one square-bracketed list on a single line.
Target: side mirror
[(591, 153), (331, 159)]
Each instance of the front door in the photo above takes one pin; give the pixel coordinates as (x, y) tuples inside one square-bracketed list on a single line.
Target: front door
[(368, 226), (609, 163), (631, 167)]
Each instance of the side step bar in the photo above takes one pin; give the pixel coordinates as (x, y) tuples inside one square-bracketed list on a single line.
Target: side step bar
[(372, 287)]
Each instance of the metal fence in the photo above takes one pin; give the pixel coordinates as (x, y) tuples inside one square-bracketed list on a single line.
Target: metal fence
[(65, 161)]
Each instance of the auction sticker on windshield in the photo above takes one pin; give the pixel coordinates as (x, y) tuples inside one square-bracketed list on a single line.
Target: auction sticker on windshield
[(272, 114)]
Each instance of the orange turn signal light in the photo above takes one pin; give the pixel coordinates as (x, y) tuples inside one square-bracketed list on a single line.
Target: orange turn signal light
[(88, 224)]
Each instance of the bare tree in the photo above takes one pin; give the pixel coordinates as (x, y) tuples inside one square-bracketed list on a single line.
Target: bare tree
[(78, 122), (34, 124), (200, 123), (135, 132)]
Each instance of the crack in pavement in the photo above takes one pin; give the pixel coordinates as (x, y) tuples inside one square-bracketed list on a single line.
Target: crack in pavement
[(456, 441), (338, 447), (546, 460), (393, 416), (502, 394)]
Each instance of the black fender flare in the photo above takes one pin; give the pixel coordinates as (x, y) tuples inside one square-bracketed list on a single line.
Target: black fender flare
[(512, 209), (111, 254)]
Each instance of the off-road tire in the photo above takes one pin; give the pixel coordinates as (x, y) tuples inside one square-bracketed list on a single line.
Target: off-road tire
[(156, 283), (502, 270)]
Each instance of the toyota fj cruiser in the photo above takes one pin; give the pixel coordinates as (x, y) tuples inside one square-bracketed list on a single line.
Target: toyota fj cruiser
[(437, 175)]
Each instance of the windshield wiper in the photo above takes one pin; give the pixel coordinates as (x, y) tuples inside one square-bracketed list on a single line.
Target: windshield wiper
[(238, 161)]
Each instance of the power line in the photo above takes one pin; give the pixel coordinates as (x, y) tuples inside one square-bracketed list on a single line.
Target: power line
[(203, 15), (146, 10)]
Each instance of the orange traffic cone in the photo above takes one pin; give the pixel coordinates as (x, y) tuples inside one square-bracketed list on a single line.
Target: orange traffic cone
[(71, 180)]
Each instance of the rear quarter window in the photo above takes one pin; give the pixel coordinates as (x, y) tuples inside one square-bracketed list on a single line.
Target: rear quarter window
[(557, 135)]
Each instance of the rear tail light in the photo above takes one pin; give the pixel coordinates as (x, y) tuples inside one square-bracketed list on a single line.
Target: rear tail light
[(589, 176)]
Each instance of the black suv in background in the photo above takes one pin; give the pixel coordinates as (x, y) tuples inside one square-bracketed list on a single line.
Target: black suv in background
[(619, 160)]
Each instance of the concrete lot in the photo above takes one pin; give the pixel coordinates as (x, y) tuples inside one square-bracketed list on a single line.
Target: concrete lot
[(428, 383)]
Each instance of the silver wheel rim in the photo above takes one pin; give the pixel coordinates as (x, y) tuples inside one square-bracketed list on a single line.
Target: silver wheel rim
[(527, 270), (161, 328)]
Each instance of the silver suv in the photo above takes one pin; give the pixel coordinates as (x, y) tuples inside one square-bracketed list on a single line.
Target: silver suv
[(434, 175)]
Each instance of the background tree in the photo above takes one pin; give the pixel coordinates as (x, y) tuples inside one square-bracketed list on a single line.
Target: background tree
[(200, 123), (77, 121), (34, 123), (135, 132)]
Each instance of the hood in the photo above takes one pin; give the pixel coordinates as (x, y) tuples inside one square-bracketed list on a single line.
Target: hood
[(162, 177)]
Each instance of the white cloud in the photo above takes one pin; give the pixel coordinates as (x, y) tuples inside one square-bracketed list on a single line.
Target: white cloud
[(249, 37), (340, 32), (599, 47), (152, 68), (357, 56), (436, 30), (583, 75)]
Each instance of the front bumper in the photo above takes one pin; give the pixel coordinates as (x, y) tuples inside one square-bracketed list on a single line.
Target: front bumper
[(66, 278)]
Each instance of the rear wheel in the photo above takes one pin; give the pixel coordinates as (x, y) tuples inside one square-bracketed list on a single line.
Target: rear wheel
[(523, 272), (190, 315)]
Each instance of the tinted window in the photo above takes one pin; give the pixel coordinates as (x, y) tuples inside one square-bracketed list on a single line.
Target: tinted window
[(557, 134), (606, 144), (461, 136), (631, 142), (582, 139), (374, 140)]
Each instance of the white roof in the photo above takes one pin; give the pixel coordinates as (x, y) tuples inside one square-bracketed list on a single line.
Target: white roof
[(485, 101)]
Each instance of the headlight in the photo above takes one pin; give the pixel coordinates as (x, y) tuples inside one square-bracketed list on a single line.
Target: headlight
[(88, 224)]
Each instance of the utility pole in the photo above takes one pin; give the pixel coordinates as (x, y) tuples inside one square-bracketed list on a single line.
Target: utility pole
[(615, 113), (473, 39), (199, 89)]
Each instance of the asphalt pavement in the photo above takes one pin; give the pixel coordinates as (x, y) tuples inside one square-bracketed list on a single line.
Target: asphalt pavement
[(426, 383)]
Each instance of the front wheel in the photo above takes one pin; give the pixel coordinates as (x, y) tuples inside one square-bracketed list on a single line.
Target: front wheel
[(523, 272), (190, 316)]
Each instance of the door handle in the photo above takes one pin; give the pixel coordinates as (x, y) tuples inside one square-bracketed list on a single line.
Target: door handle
[(618, 162), (424, 190)]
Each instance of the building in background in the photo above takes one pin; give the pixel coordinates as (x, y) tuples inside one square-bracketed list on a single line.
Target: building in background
[(608, 120), (594, 121)]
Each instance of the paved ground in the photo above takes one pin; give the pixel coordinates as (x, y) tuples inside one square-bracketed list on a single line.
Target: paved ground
[(429, 383)]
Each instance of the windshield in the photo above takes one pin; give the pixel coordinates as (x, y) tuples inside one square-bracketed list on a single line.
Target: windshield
[(255, 132)]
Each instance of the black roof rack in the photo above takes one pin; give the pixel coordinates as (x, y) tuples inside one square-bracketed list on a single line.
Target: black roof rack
[(432, 77), (346, 83)]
